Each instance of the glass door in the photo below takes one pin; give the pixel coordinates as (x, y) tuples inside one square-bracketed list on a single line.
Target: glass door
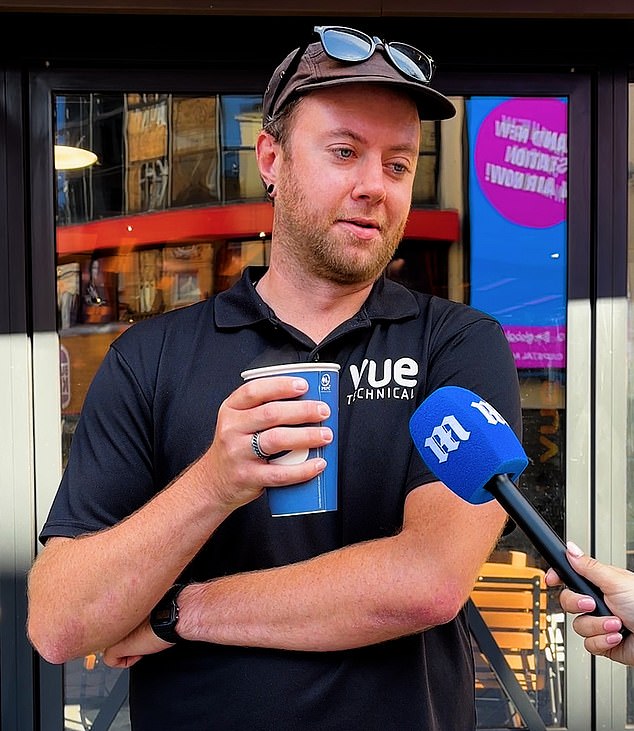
[(142, 229), (155, 204), (165, 208)]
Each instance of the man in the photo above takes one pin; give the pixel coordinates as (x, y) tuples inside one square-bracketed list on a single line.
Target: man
[(344, 620), (602, 635)]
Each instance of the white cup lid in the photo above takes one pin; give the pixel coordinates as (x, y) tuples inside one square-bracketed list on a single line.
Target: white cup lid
[(280, 370)]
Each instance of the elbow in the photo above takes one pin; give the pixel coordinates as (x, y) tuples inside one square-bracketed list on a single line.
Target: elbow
[(51, 644), (48, 651), (446, 602), (51, 655), (426, 609), (445, 609)]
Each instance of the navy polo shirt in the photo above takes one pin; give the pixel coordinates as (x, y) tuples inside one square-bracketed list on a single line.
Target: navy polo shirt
[(150, 412)]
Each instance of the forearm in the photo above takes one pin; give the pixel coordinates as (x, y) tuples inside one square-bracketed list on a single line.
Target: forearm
[(350, 597), (88, 592), (93, 591), (355, 596), (358, 595)]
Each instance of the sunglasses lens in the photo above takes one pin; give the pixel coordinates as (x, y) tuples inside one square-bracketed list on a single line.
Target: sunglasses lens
[(411, 61), (346, 44)]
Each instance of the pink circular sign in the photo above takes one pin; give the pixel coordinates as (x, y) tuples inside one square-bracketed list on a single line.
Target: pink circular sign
[(521, 160)]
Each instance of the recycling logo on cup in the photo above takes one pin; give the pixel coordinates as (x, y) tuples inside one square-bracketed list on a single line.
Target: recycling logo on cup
[(325, 382)]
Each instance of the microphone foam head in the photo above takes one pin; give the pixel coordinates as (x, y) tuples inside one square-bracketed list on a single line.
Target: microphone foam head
[(465, 442)]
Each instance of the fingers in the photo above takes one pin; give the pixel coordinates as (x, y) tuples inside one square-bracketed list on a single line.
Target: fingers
[(603, 635), (552, 578), (584, 565), (281, 439), (602, 644), (270, 402), (607, 577), (576, 603), (596, 627), (600, 634), (112, 660), (610, 579), (236, 463), (277, 475), (262, 390), (271, 407)]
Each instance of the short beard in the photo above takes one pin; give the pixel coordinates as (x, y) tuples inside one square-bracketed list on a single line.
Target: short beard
[(317, 252)]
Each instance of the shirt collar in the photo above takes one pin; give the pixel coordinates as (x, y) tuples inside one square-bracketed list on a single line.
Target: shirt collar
[(241, 305)]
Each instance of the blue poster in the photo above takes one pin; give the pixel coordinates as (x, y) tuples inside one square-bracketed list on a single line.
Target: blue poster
[(518, 150)]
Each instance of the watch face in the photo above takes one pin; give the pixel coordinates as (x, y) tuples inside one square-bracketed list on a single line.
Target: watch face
[(163, 615)]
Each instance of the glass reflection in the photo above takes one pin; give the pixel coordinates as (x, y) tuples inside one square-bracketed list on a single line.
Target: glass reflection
[(172, 212)]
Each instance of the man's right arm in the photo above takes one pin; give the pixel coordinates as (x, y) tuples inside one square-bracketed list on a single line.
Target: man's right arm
[(87, 593)]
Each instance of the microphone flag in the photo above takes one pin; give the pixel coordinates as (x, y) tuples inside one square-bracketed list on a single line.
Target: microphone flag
[(470, 447), (465, 442)]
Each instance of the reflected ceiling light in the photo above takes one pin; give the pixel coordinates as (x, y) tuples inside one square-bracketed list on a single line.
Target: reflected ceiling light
[(73, 158)]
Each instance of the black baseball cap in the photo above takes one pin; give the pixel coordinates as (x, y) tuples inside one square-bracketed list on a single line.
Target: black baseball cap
[(317, 70)]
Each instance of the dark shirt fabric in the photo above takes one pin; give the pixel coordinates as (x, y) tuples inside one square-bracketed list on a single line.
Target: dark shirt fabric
[(150, 412)]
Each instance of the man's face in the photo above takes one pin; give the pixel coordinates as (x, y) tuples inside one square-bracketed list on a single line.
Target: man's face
[(345, 180)]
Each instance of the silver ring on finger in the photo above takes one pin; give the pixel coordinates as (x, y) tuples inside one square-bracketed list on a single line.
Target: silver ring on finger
[(257, 450)]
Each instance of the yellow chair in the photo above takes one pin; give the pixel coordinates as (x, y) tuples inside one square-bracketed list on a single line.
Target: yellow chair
[(510, 631), (512, 601)]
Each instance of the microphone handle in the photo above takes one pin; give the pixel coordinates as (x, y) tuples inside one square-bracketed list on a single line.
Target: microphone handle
[(547, 542)]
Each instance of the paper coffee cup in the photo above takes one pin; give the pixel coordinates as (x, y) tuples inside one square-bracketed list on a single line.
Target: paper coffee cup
[(318, 495)]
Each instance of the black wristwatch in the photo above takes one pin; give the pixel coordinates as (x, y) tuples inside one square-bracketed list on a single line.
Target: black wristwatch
[(164, 616)]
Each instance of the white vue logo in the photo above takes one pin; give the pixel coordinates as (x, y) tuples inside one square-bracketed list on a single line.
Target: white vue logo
[(403, 372)]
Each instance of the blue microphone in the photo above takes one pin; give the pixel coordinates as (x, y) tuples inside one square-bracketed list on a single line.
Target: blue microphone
[(469, 447)]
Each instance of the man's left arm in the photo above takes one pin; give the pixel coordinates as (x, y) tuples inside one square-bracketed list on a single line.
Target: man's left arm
[(355, 596)]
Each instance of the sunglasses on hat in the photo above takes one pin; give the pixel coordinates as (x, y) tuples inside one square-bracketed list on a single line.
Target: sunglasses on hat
[(354, 46), (348, 44)]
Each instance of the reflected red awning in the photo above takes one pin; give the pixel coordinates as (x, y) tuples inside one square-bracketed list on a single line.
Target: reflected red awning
[(238, 221)]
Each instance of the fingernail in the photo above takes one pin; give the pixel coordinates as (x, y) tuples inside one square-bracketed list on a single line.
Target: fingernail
[(321, 464), (586, 604), (574, 549), (299, 384), (612, 625), (613, 639), (326, 435), (324, 410)]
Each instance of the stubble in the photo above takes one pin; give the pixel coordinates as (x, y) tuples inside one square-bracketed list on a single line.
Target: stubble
[(306, 236)]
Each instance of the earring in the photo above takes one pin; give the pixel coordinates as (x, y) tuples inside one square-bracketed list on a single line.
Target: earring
[(270, 188)]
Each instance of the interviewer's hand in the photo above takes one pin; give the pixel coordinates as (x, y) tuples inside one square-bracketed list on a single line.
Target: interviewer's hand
[(601, 634)]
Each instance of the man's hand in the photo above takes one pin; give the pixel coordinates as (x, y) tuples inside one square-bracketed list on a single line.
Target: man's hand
[(269, 406), (140, 642)]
